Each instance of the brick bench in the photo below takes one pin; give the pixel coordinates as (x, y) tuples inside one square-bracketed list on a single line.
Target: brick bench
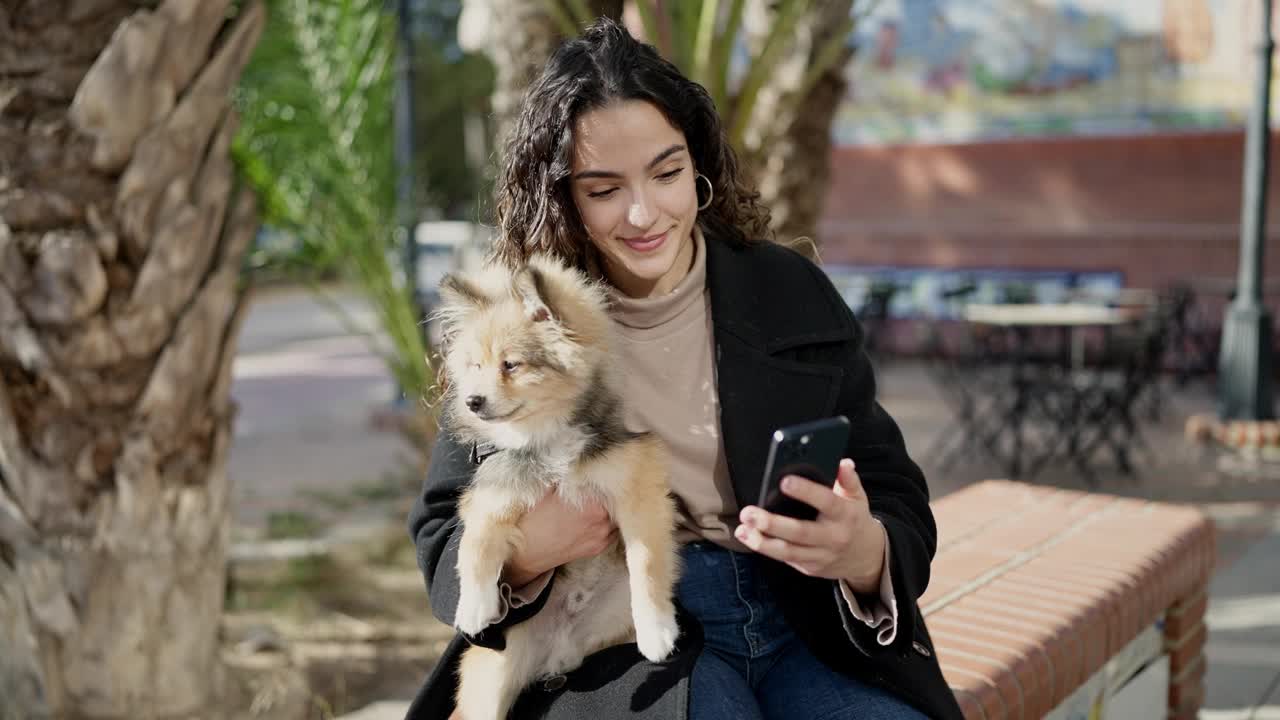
[(1045, 602)]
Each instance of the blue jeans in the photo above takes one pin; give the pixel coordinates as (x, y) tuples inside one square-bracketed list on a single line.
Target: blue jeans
[(752, 666)]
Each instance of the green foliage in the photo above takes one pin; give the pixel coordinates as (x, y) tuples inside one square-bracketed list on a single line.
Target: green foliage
[(451, 93), (701, 36), (291, 524), (316, 143), (301, 587)]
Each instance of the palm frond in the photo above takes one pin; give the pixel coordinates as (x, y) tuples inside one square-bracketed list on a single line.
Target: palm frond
[(581, 15), (684, 24), (827, 56), (703, 41), (762, 65), (562, 18), (652, 29), (315, 141), (723, 55)]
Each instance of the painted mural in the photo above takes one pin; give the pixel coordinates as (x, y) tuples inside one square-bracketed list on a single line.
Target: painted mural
[(960, 70)]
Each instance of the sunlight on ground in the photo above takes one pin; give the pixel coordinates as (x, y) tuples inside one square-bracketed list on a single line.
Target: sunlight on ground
[(1262, 712), (1245, 613)]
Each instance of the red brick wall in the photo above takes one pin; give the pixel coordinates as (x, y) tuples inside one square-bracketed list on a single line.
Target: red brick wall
[(1160, 208)]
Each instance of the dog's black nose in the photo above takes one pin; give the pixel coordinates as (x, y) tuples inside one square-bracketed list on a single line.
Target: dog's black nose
[(475, 402)]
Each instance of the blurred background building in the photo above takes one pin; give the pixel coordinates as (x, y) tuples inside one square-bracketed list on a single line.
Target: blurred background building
[(1080, 141)]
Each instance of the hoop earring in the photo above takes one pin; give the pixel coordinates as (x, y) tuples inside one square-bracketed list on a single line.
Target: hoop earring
[(711, 191)]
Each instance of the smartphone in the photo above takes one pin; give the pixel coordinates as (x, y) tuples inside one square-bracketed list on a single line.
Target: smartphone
[(810, 450)]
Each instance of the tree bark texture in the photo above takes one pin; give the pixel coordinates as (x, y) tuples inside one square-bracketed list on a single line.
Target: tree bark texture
[(122, 231), (789, 137)]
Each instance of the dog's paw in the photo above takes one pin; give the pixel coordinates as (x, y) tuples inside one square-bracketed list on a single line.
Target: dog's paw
[(656, 635), (477, 609)]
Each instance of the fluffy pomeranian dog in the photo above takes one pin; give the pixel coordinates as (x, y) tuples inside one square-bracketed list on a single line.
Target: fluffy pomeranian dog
[(528, 364)]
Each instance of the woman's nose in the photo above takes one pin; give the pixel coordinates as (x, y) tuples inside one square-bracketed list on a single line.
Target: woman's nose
[(639, 214)]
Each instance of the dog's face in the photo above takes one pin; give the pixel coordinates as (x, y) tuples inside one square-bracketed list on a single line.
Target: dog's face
[(515, 356)]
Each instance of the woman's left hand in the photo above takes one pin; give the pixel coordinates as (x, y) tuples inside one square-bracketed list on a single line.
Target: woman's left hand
[(843, 543)]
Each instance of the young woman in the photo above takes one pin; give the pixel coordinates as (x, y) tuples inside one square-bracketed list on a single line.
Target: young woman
[(619, 165)]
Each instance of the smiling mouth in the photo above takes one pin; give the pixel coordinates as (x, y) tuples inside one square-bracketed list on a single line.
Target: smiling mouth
[(500, 418), (647, 242)]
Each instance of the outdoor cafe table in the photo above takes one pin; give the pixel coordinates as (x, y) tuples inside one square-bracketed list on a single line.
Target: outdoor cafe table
[(1020, 320), (1072, 317)]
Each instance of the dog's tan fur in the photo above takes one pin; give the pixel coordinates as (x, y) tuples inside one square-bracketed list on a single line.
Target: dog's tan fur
[(556, 422)]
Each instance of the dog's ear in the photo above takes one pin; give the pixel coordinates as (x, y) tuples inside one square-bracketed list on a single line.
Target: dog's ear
[(459, 300), (457, 291), (531, 287)]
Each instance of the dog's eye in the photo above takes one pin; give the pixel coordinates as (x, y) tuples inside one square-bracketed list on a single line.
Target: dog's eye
[(510, 365)]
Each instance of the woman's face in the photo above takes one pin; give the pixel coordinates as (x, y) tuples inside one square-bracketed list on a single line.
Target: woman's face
[(633, 184)]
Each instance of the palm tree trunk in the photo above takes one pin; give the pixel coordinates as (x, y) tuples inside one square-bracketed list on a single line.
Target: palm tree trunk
[(789, 140), (121, 241)]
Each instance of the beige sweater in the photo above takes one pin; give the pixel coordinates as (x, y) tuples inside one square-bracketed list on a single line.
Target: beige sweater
[(665, 351)]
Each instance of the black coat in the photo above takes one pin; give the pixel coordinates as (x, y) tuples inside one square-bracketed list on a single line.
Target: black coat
[(788, 350)]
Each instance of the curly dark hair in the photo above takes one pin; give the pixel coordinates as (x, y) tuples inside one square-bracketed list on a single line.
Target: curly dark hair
[(536, 212)]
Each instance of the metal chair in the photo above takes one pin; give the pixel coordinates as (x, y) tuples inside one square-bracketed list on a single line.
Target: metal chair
[(971, 387), (1192, 348), (874, 314), (1105, 408)]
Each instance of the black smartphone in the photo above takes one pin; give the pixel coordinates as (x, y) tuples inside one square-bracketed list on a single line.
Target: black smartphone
[(810, 450)]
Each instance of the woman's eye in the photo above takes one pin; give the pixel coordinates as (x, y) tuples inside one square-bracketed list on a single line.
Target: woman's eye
[(510, 365), (601, 194), (669, 176)]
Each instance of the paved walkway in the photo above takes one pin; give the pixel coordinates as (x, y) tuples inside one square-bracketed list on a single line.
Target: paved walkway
[(303, 440), (306, 390), (1243, 682)]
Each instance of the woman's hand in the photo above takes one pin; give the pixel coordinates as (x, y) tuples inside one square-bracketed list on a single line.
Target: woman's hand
[(556, 532), (844, 543)]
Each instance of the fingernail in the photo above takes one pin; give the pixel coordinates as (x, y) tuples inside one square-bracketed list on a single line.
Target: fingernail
[(788, 482), (740, 532)]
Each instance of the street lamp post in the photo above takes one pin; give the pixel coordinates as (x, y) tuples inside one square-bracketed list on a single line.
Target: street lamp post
[(1244, 368), (406, 213), (404, 127)]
